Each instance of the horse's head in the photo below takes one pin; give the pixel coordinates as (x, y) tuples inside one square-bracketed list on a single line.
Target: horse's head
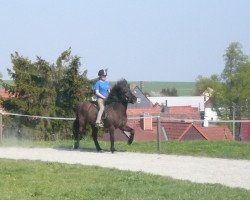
[(121, 92), (129, 96)]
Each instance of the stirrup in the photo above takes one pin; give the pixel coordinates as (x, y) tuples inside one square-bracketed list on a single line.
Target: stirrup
[(99, 125)]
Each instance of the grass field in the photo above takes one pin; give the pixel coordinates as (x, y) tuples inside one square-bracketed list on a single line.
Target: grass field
[(9, 82), (44, 180), (183, 88), (220, 149)]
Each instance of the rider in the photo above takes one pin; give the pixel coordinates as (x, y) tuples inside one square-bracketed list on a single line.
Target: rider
[(102, 90)]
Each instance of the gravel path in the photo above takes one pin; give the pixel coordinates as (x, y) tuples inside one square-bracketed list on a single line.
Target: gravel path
[(232, 173)]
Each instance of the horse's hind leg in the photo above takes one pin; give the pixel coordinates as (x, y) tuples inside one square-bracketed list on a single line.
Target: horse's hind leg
[(76, 134), (78, 126), (95, 138)]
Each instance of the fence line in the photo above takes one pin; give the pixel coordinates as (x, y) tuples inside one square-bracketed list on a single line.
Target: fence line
[(37, 116), (130, 117), (157, 117)]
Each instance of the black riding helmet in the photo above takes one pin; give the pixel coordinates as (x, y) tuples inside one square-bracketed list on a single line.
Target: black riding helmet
[(102, 72)]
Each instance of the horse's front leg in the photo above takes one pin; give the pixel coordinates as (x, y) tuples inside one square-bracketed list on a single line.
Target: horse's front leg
[(95, 136), (132, 133), (112, 139)]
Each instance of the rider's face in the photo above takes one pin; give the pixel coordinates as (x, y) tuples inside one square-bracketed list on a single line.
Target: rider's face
[(103, 77)]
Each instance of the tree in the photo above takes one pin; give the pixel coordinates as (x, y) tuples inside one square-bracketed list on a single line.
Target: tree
[(33, 87), (230, 90), (45, 89), (242, 81), (234, 58), (71, 86), (169, 92)]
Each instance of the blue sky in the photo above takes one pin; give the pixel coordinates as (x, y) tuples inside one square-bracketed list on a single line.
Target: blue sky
[(148, 40)]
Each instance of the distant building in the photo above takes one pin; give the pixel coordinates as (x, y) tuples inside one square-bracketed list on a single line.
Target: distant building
[(210, 114), (180, 119), (194, 101), (245, 130)]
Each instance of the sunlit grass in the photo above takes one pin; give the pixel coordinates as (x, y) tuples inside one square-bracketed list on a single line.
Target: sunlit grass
[(45, 180)]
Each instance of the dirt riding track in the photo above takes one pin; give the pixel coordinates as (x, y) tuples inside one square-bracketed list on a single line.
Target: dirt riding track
[(232, 173)]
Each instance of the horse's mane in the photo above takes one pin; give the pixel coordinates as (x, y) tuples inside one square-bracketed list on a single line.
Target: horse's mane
[(117, 92)]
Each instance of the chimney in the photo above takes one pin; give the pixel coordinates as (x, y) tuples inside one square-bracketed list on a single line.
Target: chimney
[(146, 121)]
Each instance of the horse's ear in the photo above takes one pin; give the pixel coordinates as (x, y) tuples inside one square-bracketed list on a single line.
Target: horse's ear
[(125, 81)]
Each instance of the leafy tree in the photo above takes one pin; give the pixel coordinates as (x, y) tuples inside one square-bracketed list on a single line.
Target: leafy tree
[(33, 88), (214, 89), (41, 88), (169, 92), (71, 86), (234, 58), (242, 92), (230, 91)]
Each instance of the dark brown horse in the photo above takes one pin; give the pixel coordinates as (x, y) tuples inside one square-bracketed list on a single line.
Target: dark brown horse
[(114, 116)]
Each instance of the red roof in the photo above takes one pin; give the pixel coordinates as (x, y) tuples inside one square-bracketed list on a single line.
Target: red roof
[(181, 113), (174, 130), (3, 93), (182, 109), (211, 133), (245, 130), (139, 111)]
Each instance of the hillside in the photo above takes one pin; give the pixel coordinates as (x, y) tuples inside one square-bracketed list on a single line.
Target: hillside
[(9, 82), (183, 88)]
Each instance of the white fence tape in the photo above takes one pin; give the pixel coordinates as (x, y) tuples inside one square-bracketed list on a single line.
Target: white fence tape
[(131, 117), (37, 116)]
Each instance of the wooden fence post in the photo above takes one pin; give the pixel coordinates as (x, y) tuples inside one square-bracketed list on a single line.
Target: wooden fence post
[(158, 133)]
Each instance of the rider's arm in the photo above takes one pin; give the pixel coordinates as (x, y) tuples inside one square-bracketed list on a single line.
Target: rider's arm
[(99, 94)]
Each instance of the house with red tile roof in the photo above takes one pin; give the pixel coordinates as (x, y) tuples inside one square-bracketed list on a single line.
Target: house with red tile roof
[(194, 132), (245, 130), (176, 122), (174, 130)]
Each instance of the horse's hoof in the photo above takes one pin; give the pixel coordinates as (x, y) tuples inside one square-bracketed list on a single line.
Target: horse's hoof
[(100, 151), (113, 150), (131, 139)]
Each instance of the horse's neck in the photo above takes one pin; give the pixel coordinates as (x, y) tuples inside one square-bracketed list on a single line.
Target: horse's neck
[(121, 106)]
